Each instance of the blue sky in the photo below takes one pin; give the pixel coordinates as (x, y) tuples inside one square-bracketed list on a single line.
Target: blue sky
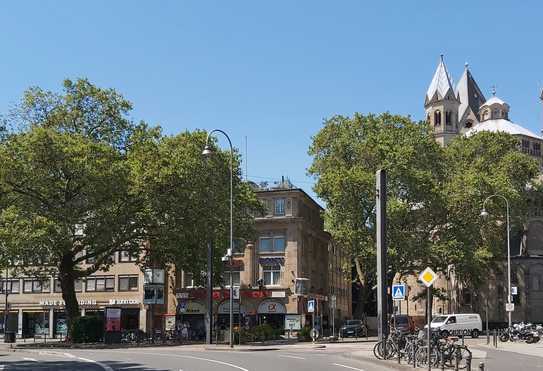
[(272, 71)]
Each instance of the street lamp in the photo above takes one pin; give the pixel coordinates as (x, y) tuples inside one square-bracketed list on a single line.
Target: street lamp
[(485, 214), (208, 151)]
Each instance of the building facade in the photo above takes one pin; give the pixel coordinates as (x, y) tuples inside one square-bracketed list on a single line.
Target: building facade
[(291, 244), (36, 306)]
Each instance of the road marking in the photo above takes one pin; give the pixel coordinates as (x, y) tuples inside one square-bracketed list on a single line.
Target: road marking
[(181, 356), (30, 359), (288, 356), (88, 360), (349, 367)]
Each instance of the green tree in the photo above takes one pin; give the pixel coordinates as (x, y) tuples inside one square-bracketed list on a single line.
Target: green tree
[(346, 154), (81, 181), (479, 166), (67, 197)]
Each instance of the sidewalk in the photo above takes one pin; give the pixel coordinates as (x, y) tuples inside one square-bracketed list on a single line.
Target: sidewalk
[(366, 354), (535, 350)]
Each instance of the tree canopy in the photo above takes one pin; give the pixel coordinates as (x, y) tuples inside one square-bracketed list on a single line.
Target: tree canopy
[(435, 194), (81, 181)]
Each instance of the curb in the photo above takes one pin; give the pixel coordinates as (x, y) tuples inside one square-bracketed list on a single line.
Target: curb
[(242, 349)]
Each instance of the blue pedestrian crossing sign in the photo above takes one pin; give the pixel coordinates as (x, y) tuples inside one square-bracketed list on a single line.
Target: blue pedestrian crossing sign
[(398, 291)]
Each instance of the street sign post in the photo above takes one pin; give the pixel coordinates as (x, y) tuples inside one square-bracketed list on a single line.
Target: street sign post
[(311, 306), (428, 277), (235, 292), (509, 307), (333, 303), (398, 291)]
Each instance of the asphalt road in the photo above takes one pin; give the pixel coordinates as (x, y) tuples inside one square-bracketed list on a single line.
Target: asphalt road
[(162, 359), (185, 359)]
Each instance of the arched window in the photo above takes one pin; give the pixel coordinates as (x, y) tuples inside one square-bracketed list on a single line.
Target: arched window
[(437, 118), (448, 118), (485, 114)]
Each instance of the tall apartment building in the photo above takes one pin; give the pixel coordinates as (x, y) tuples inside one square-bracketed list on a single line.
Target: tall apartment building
[(291, 244)]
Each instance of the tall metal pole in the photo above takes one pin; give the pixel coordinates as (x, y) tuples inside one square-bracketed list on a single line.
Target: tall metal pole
[(429, 324), (508, 263), (230, 250), (381, 202), (209, 338), (6, 302), (508, 250)]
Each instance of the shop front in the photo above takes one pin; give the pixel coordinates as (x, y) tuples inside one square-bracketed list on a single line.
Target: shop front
[(272, 312), (191, 314)]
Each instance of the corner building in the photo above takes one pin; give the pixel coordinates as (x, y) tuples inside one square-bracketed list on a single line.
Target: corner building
[(291, 244)]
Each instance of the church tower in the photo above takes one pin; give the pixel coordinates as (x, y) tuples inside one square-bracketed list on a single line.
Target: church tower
[(471, 99), (441, 105)]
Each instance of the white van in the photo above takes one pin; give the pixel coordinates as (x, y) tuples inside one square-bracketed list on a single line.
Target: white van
[(458, 324)]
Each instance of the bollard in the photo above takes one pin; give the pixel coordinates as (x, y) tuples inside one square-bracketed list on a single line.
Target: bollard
[(462, 339), (481, 366), (487, 337), (45, 339), (456, 360), (414, 353)]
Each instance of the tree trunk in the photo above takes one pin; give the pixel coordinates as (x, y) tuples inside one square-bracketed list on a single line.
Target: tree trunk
[(71, 305)]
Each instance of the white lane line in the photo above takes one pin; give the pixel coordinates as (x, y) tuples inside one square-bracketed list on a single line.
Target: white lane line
[(30, 359), (88, 360), (188, 357), (349, 367), (289, 356)]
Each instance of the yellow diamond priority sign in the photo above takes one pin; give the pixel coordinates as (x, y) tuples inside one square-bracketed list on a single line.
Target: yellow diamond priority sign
[(428, 276)]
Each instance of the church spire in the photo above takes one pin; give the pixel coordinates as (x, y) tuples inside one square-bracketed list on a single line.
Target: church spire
[(441, 85), (470, 96)]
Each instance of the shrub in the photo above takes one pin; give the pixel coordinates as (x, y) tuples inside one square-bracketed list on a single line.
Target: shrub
[(304, 334), (87, 329)]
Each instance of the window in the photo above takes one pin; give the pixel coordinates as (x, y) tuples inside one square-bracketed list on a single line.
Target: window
[(12, 286), (235, 277), (272, 244), (239, 246), (128, 283), (279, 206), (100, 283), (437, 118), (537, 149), (77, 283), (272, 274), (525, 146), (125, 256), (469, 124), (35, 285), (189, 280), (535, 283), (448, 118)]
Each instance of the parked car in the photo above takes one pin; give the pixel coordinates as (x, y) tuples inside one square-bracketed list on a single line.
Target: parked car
[(353, 328), (458, 324), (402, 322)]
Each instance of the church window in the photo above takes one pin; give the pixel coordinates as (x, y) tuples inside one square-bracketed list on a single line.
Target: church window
[(468, 124), (537, 149), (485, 114), (437, 118), (448, 118)]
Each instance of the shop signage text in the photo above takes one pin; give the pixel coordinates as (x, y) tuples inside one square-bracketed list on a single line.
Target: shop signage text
[(123, 301), (61, 303)]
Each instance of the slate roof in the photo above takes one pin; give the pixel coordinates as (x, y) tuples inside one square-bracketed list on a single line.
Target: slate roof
[(440, 84), (469, 94)]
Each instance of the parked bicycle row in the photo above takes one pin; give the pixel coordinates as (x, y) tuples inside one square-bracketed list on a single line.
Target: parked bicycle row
[(413, 349)]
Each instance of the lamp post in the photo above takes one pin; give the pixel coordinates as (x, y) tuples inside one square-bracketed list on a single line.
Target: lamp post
[(485, 214), (207, 152)]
